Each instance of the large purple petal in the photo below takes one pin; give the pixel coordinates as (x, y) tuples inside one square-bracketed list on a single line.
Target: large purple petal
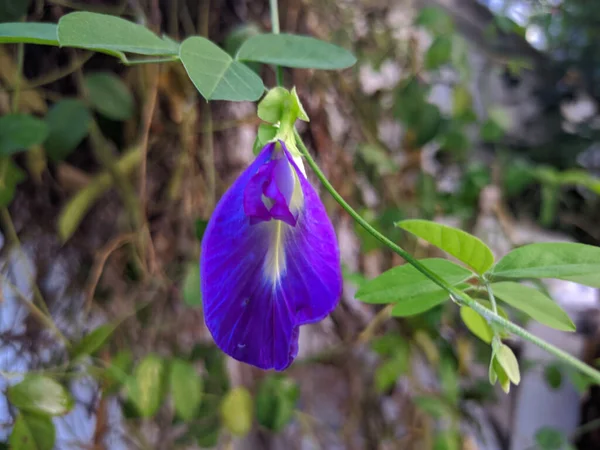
[(261, 282)]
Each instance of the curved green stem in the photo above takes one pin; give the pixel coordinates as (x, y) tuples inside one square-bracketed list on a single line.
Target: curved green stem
[(491, 297), (456, 294)]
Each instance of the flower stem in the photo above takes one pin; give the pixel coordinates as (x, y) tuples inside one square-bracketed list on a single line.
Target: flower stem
[(456, 294), (275, 29)]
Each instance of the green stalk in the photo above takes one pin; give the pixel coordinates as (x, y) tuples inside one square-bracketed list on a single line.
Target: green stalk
[(275, 30), (456, 294)]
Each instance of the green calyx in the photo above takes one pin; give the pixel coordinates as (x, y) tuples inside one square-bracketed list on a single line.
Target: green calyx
[(280, 109)]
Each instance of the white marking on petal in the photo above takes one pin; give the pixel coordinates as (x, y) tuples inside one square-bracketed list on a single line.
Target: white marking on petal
[(275, 260), (297, 200), (298, 160)]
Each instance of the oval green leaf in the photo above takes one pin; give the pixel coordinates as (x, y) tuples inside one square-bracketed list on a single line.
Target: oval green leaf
[(13, 175), (276, 401), (547, 438), (192, 296), (476, 324), (418, 304), (216, 75), (29, 33), (533, 303), (32, 432), (39, 394), (563, 260), (146, 388), (389, 371), (405, 281), (463, 246), (19, 132), (110, 34), (435, 19), (237, 411), (291, 50), (109, 95), (93, 341), (439, 53), (186, 389), (68, 123), (553, 375), (434, 406)]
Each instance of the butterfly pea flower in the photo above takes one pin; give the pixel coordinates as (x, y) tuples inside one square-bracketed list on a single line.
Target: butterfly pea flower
[(269, 262)]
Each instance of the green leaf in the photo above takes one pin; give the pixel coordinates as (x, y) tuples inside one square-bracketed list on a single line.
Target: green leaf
[(501, 117), (275, 402), (68, 123), (410, 100), (93, 342), (39, 394), (405, 281), (435, 19), (110, 34), (439, 53), (199, 228), (433, 406), (462, 101), (455, 140), (237, 411), (491, 131), (447, 440), (580, 381), (389, 345), (146, 387), (216, 75), (579, 178), (463, 246), (29, 33), (566, 261), (476, 324), (507, 359), (418, 304), (388, 372), (376, 156), (20, 132), (553, 375), (109, 95), (10, 176), (117, 372), (192, 296), (290, 50), (533, 303), (32, 432), (186, 389), (428, 124), (547, 438)]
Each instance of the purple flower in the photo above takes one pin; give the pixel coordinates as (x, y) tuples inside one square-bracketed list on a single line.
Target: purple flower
[(269, 263)]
